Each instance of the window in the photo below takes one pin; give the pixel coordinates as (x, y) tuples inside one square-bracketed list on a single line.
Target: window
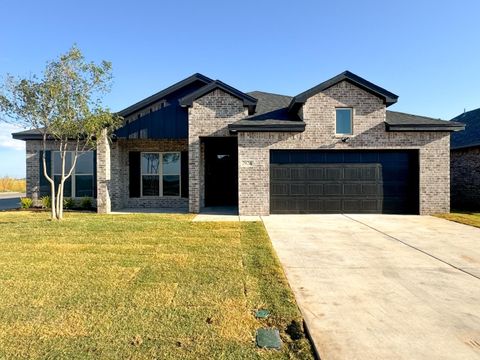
[(160, 174), (343, 121), (81, 183)]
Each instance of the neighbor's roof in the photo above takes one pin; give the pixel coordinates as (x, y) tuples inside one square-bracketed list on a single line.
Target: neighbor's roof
[(388, 97), (471, 136), (398, 121)]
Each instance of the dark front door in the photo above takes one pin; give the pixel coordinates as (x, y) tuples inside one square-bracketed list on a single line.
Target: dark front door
[(344, 182), (221, 171)]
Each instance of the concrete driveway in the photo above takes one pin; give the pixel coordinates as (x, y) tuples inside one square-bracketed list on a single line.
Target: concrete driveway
[(381, 286)]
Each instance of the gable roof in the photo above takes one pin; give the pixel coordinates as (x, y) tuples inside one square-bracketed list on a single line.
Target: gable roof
[(271, 115), (398, 121), (471, 136), (248, 100), (161, 94), (388, 97)]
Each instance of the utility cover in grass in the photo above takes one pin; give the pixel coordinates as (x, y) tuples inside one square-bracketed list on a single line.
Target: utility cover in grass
[(268, 339), (261, 314)]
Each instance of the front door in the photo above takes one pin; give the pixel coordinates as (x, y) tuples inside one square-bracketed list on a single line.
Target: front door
[(221, 171)]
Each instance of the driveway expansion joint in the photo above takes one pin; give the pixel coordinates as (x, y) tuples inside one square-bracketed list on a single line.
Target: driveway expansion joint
[(413, 247)]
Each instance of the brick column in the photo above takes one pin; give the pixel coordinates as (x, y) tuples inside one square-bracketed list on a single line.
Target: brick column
[(103, 174), (194, 175)]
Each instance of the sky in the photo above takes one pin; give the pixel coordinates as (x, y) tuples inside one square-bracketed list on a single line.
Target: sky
[(425, 51)]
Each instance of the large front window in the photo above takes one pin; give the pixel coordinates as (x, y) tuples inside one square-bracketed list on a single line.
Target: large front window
[(81, 183), (160, 174)]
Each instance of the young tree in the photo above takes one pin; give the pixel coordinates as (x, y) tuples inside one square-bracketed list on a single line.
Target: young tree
[(64, 105)]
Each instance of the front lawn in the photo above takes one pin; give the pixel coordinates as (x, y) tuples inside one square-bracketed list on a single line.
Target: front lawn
[(140, 286), (472, 219)]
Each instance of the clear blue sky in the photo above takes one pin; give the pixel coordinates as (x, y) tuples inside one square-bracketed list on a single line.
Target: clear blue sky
[(425, 51)]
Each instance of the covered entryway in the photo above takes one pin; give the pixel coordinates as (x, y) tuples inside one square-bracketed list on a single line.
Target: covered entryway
[(344, 181), (221, 171)]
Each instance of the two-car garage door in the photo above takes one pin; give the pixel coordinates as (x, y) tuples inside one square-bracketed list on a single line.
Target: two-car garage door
[(334, 181)]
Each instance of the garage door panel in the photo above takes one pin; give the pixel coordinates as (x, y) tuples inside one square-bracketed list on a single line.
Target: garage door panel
[(297, 173), (370, 173), (352, 189), (316, 173), (342, 181), (333, 174), (335, 189), (279, 189), (372, 189), (315, 189), (298, 189), (332, 205), (279, 173)]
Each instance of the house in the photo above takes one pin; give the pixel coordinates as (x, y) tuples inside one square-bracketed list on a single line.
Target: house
[(465, 162), (334, 148)]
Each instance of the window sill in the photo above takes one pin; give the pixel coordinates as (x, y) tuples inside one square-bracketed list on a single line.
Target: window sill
[(161, 197)]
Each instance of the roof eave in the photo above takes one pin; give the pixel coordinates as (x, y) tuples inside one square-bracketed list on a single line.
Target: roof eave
[(423, 128), (266, 128), (464, 147)]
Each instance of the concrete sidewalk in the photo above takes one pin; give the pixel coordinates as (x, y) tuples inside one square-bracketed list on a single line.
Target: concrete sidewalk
[(383, 287)]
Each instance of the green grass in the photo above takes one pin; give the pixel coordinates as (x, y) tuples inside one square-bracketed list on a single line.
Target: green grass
[(472, 219), (140, 286)]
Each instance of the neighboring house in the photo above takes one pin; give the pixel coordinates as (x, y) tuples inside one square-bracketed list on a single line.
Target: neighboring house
[(199, 143), (465, 162)]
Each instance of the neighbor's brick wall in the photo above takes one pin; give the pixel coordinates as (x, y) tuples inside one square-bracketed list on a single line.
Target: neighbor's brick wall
[(209, 116), (465, 177), (120, 173), (368, 133)]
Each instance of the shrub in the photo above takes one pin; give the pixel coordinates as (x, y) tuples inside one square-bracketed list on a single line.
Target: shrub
[(26, 203), (86, 203), (46, 202), (68, 203)]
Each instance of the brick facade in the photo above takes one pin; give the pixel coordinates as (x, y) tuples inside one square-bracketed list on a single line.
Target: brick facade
[(209, 116), (120, 173), (368, 133), (465, 177)]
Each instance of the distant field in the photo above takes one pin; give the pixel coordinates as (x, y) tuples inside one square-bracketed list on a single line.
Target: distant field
[(10, 184)]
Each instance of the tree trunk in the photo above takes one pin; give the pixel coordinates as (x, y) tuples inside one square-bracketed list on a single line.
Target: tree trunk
[(52, 186)]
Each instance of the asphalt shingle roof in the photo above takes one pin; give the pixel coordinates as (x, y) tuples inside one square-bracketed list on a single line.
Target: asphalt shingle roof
[(399, 120), (471, 135)]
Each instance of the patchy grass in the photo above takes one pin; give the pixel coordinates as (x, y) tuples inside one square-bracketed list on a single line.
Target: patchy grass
[(8, 184), (139, 286), (472, 219)]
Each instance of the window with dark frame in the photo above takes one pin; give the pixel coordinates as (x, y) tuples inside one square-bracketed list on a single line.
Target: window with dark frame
[(343, 121), (160, 174), (81, 183)]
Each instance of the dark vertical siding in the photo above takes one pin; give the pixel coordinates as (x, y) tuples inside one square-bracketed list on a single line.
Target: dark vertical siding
[(184, 174), (134, 173)]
